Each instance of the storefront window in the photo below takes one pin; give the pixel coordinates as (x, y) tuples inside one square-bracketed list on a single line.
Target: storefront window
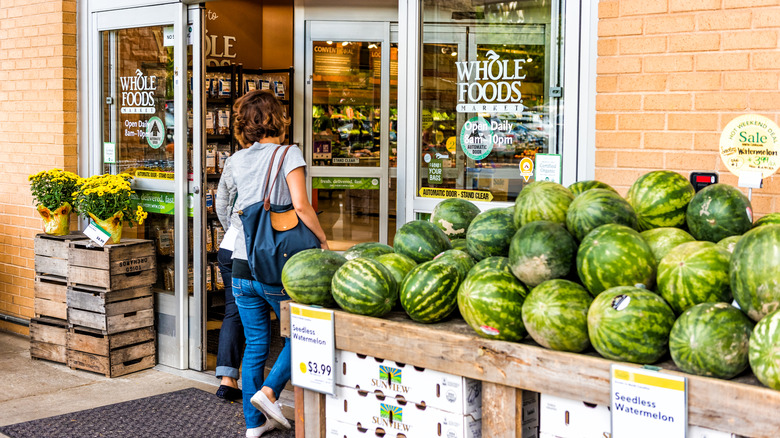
[(489, 96)]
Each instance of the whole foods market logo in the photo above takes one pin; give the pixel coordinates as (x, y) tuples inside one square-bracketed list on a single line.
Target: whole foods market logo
[(138, 93), (476, 138), (492, 85)]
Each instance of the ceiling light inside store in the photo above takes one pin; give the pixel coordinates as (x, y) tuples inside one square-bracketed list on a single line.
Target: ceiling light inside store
[(454, 53), (329, 42), (345, 43)]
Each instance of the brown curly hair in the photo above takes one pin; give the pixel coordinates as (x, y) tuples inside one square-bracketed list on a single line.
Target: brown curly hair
[(258, 114)]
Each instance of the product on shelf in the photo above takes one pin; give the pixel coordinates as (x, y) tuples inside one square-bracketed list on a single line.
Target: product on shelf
[(164, 239), (222, 156), (209, 240), (209, 279), (219, 234), (210, 122), (223, 121), (211, 158), (219, 284)]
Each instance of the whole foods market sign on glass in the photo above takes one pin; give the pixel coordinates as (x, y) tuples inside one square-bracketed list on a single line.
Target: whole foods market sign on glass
[(137, 93), (490, 86)]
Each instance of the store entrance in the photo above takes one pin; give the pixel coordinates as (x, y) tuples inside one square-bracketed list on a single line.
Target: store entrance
[(351, 119)]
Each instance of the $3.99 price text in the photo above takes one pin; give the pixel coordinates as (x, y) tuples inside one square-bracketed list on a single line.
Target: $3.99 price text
[(315, 368)]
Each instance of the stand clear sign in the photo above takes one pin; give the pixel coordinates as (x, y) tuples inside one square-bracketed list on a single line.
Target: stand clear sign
[(313, 348), (647, 404)]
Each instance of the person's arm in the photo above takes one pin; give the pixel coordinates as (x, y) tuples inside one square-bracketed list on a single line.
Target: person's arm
[(226, 191), (297, 183)]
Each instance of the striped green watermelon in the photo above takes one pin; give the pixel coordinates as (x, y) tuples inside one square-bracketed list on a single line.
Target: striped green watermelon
[(364, 286), (764, 350), (541, 251), (453, 216), (582, 186), (755, 271), (491, 302), (459, 244), (771, 218), (421, 241), (307, 276), (460, 259), (429, 293), (711, 339), (719, 211), (662, 240), (660, 199), (729, 243), (490, 233), (614, 255), (694, 273), (630, 324), (542, 200), (597, 207), (495, 263), (367, 249), (398, 264), (555, 314)]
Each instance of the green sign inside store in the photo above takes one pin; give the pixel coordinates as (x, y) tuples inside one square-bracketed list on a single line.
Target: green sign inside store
[(328, 183)]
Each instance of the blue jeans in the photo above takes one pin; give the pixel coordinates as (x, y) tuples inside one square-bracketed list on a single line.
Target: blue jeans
[(254, 300), (231, 335)]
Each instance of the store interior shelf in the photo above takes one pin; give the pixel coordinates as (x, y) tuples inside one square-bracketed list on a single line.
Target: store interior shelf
[(741, 405)]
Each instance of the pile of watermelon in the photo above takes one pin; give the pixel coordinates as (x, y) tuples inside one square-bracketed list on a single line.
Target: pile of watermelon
[(662, 272)]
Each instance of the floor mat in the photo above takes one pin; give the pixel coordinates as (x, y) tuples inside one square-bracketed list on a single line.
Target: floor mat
[(188, 413)]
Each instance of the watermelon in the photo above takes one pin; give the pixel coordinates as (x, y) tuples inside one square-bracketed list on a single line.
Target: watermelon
[(771, 218), (755, 271), (660, 199), (420, 240), (429, 293), (729, 243), (367, 249), (364, 286), (399, 265), (491, 302), (495, 263), (719, 211), (541, 251), (459, 244), (582, 186), (598, 207), (711, 339), (542, 200), (453, 216), (614, 255), (662, 240), (555, 314), (460, 259), (694, 273), (490, 234), (764, 350), (630, 324), (307, 276)]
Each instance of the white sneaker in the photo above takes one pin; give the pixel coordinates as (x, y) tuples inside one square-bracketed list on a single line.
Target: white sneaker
[(272, 411), (257, 432)]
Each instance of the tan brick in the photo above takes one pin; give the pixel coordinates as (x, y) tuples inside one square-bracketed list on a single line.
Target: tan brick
[(606, 84), (761, 204), (706, 141), (694, 42), (669, 24), (619, 64), (638, 45), (605, 158), (764, 101), (693, 122), (731, 4), (642, 7), (618, 26), (607, 46), (762, 39), (642, 122), (620, 179), (720, 101), (691, 161), (695, 81), (722, 20), (668, 140), (606, 122), (618, 102), (667, 102), (642, 82), (751, 81), (640, 159), (767, 18), (618, 140), (722, 61), (765, 60), (609, 9), (693, 5), (668, 63)]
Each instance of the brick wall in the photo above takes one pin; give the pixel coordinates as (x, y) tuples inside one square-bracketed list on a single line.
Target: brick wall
[(672, 74), (37, 130)]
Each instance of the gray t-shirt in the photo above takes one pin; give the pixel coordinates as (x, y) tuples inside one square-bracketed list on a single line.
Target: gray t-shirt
[(242, 181)]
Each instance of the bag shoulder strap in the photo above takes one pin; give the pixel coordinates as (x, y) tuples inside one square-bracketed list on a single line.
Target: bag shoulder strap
[(269, 190)]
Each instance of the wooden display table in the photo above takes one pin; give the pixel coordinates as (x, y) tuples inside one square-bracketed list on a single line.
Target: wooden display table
[(741, 405)]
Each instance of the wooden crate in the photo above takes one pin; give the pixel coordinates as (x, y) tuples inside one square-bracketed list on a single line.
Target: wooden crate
[(51, 254), (113, 355), (50, 298), (48, 339), (113, 311), (124, 265)]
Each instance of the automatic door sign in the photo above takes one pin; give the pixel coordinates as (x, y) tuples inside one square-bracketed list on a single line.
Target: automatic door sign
[(750, 143), (476, 138), (155, 132)]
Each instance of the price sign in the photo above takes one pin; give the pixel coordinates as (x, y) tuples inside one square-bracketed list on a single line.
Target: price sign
[(97, 234), (647, 404), (313, 354)]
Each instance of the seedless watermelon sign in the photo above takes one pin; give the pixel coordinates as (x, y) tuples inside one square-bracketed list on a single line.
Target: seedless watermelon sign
[(750, 143)]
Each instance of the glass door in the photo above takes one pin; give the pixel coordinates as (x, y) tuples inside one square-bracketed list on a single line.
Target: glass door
[(139, 114), (350, 128)]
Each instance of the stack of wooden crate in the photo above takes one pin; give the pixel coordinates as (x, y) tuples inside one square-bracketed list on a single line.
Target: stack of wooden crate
[(49, 327), (111, 307)]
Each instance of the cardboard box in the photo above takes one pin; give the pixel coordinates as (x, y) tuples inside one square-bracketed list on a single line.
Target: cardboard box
[(388, 416), (446, 392), (703, 432)]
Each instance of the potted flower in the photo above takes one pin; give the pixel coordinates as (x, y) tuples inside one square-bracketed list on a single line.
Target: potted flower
[(107, 200), (53, 191)]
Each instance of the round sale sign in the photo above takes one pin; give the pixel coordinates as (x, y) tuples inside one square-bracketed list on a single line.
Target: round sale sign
[(476, 138), (751, 143)]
